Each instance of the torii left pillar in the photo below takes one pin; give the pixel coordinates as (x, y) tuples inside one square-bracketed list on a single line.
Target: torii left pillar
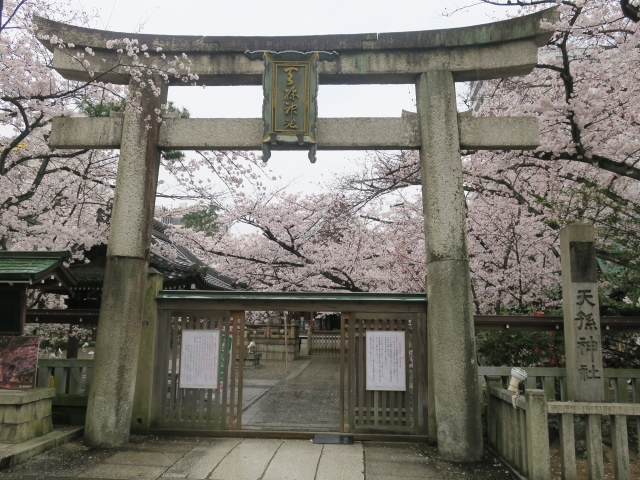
[(448, 283), (120, 323)]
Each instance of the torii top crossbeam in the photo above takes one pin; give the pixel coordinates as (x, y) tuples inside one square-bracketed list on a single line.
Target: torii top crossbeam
[(493, 50), (480, 52)]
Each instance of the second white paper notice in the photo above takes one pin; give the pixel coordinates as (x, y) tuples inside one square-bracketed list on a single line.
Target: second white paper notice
[(386, 361)]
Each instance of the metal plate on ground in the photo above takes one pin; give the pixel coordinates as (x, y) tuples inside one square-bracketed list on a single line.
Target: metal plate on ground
[(333, 439)]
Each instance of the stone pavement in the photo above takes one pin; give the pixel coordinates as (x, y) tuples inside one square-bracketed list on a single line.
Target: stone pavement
[(248, 459), (306, 400)]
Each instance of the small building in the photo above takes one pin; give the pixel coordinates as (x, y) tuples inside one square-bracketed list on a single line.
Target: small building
[(20, 271)]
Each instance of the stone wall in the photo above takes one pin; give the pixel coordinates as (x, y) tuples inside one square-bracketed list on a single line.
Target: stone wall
[(25, 414), (270, 341)]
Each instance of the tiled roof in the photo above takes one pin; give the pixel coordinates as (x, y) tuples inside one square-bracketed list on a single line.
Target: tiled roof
[(185, 264), (179, 265)]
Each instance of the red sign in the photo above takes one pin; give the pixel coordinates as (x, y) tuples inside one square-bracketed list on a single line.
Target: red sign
[(18, 362)]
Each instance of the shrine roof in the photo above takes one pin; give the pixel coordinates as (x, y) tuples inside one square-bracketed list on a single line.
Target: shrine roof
[(525, 27), (179, 267), (34, 266)]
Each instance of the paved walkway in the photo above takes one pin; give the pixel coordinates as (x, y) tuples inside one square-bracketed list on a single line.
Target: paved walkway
[(250, 459), (307, 400)]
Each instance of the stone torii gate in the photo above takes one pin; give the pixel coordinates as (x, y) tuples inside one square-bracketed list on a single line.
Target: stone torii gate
[(432, 60)]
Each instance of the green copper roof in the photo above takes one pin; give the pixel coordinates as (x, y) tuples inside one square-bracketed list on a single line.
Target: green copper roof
[(184, 300), (295, 296), (29, 267), (9, 266)]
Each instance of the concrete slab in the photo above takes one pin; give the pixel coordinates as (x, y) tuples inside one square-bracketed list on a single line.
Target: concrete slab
[(105, 470), (67, 460), (341, 462), (247, 461), (202, 460), (21, 397), (488, 468), (256, 382), (231, 459), (393, 477), (251, 394), (399, 460), (295, 460), (153, 459), (21, 452), (181, 446)]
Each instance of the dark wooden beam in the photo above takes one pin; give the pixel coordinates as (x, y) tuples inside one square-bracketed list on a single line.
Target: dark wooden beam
[(482, 322)]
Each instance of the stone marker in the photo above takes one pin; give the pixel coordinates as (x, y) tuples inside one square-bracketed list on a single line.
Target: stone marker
[(583, 345)]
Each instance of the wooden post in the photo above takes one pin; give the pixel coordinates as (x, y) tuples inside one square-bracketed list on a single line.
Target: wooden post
[(343, 318), (242, 317), (312, 321), (286, 353), (594, 448), (538, 459), (620, 444)]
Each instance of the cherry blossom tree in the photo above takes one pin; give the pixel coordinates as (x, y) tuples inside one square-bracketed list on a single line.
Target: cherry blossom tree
[(315, 242), (365, 233), (585, 93), (60, 199), (48, 199)]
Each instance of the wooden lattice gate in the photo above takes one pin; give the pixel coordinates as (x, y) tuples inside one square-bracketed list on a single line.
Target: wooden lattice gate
[(391, 412), (197, 408), (324, 342)]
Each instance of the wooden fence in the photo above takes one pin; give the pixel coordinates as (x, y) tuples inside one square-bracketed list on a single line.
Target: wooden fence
[(71, 376), (521, 435), (621, 385), (175, 407), (324, 342)]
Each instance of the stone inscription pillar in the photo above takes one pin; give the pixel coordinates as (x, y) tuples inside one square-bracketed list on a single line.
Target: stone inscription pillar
[(448, 284), (581, 308), (120, 322)]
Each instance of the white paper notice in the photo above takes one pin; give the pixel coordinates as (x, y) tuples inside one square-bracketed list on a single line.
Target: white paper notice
[(199, 357), (386, 369)]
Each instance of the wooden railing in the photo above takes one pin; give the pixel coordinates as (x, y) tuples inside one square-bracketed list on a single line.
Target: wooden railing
[(619, 413), (324, 342), (521, 436), (621, 385), (69, 376)]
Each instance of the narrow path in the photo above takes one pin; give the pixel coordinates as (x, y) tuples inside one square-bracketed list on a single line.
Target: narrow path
[(305, 401)]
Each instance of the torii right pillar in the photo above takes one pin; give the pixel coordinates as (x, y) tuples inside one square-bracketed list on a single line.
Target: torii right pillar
[(448, 283)]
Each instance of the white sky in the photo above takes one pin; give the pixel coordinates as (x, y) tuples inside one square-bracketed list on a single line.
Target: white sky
[(255, 17)]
